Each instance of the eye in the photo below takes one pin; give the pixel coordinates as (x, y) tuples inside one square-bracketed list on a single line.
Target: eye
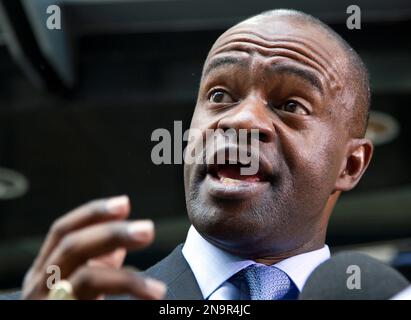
[(293, 107), (220, 96)]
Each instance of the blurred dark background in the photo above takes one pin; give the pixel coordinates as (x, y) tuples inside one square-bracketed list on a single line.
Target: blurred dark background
[(78, 106)]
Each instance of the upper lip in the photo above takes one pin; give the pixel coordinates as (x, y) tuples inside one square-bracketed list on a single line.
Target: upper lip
[(264, 167)]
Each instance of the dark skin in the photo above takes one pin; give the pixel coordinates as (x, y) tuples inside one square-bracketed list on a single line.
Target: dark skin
[(282, 76), (287, 80)]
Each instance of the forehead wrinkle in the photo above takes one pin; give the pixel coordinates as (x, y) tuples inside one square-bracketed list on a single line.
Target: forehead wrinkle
[(295, 46), (295, 38), (285, 44), (285, 53)]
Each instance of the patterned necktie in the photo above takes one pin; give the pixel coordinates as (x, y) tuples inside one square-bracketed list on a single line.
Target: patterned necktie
[(267, 283)]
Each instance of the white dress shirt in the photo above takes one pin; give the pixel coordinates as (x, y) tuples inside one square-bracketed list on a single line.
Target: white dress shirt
[(212, 267)]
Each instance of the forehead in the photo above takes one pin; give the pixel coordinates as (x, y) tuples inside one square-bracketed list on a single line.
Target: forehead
[(291, 40)]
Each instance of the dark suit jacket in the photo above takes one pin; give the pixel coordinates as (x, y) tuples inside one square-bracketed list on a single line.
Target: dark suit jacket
[(176, 273), (173, 270)]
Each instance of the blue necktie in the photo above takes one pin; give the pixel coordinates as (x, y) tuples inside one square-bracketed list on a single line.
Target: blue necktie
[(267, 283)]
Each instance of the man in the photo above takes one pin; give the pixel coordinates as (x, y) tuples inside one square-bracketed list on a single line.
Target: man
[(305, 89)]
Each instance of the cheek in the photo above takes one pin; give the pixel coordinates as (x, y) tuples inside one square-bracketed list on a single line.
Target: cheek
[(312, 159), (200, 116), (195, 118), (195, 135)]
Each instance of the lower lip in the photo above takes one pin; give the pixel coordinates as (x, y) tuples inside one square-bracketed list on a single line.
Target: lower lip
[(235, 191)]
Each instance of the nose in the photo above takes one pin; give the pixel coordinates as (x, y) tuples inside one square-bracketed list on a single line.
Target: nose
[(250, 114)]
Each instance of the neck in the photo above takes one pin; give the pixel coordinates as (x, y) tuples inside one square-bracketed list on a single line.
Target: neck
[(304, 248), (269, 256)]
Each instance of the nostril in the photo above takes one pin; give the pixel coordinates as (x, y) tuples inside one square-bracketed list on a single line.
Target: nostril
[(260, 134), (257, 132), (263, 137)]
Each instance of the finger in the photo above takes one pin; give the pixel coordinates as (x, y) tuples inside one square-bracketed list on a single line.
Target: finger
[(92, 282), (96, 211), (80, 246), (113, 259)]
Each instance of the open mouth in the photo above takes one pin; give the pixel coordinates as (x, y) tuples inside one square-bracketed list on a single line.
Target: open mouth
[(230, 180), (230, 174), (225, 181)]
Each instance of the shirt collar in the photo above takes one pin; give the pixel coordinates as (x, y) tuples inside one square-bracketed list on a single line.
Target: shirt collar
[(299, 267), (212, 266)]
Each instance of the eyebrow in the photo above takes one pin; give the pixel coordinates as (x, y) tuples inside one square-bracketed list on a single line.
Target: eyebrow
[(286, 69), (223, 61), (305, 74)]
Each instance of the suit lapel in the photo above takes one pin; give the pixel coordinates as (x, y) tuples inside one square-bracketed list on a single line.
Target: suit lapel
[(176, 273)]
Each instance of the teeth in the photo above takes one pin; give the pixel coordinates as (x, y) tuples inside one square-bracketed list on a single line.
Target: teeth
[(229, 180)]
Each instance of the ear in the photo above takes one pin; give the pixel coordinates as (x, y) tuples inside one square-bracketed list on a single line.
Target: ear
[(356, 161)]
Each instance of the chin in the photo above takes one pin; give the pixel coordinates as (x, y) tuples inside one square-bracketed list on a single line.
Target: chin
[(239, 226)]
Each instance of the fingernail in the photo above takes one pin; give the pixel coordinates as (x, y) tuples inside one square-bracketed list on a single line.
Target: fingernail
[(118, 204), (157, 288), (141, 230)]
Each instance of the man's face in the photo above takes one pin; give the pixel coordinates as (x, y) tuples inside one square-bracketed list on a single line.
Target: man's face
[(285, 79)]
